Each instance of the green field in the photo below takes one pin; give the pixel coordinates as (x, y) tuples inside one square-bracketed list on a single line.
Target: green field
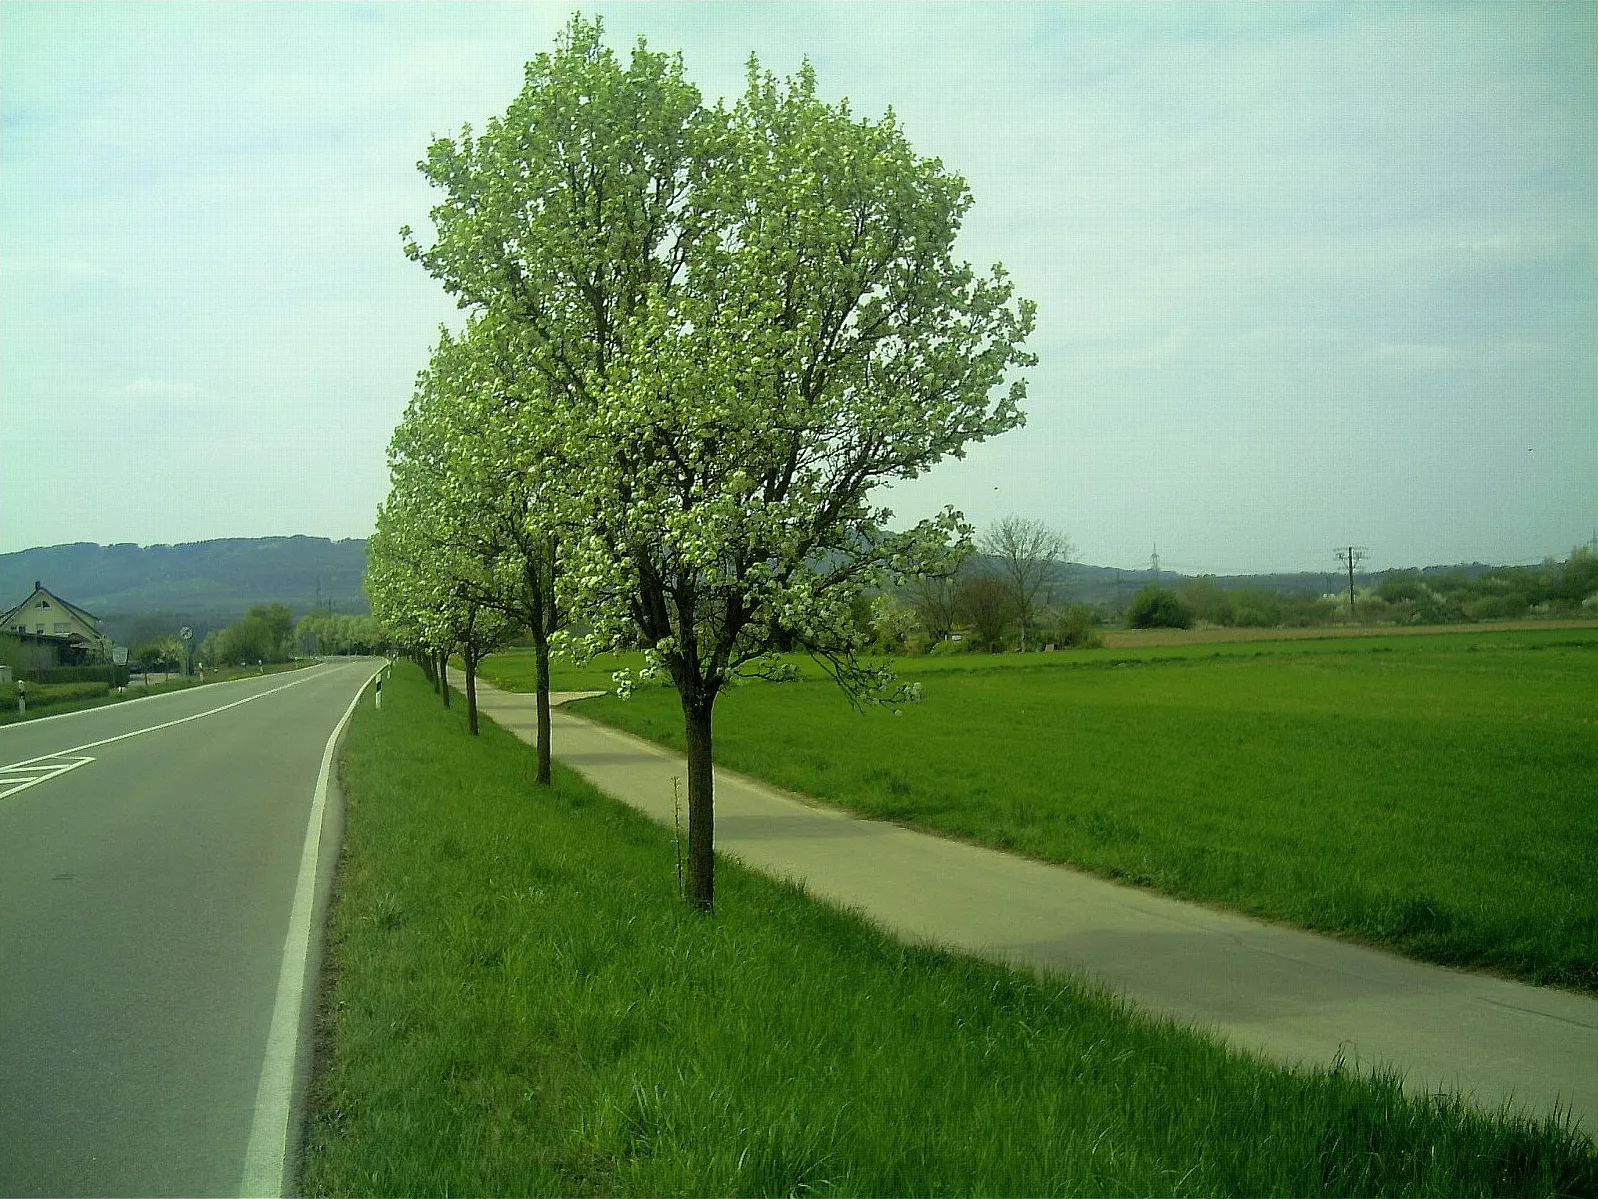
[(1433, 794), (517, 1003)]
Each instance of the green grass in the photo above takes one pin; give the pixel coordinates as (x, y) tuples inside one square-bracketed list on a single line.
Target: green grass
[(1430, 794), (516, 1003), (513, 670)]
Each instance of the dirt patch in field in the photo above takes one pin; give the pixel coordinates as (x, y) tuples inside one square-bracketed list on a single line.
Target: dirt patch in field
[(1134, 638)]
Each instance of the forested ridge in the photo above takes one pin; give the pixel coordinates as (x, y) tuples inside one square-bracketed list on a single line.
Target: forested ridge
[(203, 583)]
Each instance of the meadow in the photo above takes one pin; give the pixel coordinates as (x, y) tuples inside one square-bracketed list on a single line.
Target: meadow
[(1432, 794), (515, 1002)]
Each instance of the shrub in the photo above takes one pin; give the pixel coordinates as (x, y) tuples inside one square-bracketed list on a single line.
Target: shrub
[(43, 695), (1156, 607), (1074, 626), (113, 676), (1208, 601), (1496, 607)]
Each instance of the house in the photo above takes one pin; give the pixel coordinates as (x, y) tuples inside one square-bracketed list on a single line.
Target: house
[(47, 630)]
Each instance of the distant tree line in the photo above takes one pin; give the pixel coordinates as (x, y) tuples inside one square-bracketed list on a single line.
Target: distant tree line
[(322, 633), (269, 633), (264, 635), (1012, 599), (1551, 589)]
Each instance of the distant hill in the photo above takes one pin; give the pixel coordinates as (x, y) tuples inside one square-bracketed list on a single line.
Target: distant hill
[(145, 591), (1084, 584)]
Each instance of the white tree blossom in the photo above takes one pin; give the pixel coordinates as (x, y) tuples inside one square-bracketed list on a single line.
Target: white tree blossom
[(745, 320)]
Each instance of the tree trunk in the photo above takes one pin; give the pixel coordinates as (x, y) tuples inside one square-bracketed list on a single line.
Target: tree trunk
[(470, 655), (425, 661), (443, 675), (541, 672), (701, 890)]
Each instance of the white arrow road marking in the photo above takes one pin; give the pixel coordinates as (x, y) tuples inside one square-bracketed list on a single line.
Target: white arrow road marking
[(19, 776)]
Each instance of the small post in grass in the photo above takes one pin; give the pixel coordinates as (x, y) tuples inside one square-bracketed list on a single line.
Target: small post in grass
[(377, 692), (22, 707), (676, 823)]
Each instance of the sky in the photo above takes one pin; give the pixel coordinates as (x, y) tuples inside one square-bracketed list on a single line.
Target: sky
[(1307, 275)]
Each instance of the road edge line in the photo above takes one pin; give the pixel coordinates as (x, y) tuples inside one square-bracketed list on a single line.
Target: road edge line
[(266, 1156), (248, 678)]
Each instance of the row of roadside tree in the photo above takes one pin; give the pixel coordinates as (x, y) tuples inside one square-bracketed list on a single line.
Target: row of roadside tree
[(698, 339)]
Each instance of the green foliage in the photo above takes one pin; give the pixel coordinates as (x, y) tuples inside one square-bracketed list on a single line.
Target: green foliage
[(1402, 587), (1156, 607), (986, 604), (266, 634), (1073, 626), (893, 623), (518, 1006), (47, 695), (1208, 601), (1500, 593), (1322, 783), (114, 676), (322, 632), (164, 653), (247, 641), (717, 333)]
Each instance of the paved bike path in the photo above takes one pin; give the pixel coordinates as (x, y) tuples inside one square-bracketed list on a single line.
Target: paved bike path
[(1293, 996)]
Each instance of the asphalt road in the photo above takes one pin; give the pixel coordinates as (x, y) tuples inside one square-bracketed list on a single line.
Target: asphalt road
[(151, 862)]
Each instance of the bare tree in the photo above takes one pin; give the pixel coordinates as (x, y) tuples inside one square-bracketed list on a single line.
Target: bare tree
[(935, 602), (984, 602), (1028, 556)]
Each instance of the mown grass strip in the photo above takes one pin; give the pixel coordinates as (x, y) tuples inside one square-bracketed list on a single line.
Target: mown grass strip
[(517, 1004), (1429, 794)]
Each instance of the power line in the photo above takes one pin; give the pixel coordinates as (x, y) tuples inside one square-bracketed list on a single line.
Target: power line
[(1351, 556)]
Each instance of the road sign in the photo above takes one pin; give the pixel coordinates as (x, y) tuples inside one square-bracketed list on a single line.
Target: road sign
[(119, 655)]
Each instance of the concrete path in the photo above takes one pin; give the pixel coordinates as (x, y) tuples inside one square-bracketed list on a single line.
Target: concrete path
[(1293, 996)]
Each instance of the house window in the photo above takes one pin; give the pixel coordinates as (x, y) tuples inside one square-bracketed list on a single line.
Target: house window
[(44, 603), (60, 628)]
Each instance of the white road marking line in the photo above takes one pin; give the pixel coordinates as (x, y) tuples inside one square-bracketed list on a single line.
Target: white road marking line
[(22, 775), (319, 668), (154, 728), (266, 1156)]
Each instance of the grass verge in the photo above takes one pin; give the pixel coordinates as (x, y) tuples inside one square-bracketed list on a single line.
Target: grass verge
[(42, 699), (517, 1004), (1432, 795)]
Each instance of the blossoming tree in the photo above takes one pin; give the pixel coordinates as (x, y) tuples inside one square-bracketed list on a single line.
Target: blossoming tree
[(752, 317)]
